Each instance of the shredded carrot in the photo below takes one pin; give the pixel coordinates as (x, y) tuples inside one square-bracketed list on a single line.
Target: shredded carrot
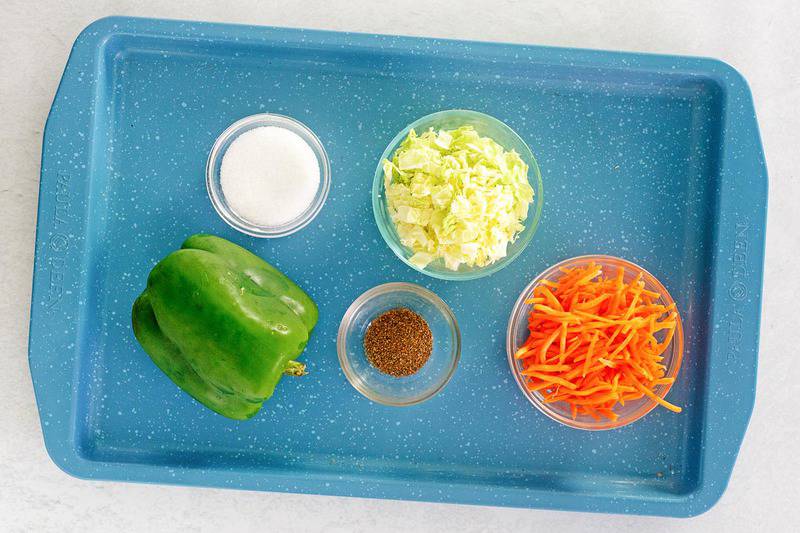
[(596, 342)]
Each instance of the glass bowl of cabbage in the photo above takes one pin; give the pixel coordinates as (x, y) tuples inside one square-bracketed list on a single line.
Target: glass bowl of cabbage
[(457, 195)]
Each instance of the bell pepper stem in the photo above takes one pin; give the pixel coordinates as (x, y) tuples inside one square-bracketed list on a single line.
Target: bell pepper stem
[(295, 368)]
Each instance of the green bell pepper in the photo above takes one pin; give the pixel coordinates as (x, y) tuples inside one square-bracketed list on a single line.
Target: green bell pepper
[(223, 324)]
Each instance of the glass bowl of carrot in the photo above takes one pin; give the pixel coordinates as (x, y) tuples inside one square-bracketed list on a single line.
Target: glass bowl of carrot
[(595, 342)]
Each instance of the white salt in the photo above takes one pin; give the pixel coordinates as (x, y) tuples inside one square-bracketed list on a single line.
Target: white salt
[(269, 175)]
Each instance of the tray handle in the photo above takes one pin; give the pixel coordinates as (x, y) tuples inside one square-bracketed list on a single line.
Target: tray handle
[(74, 149), (737, 283)]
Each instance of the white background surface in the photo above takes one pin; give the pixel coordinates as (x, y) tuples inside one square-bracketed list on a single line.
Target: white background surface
[(758, 38)]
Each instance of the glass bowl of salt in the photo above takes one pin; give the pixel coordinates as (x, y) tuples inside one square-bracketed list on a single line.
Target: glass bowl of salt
[(268, 175)]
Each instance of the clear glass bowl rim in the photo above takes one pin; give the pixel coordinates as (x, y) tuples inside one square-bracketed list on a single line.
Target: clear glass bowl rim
[(352, 311), (519, 312), (214, 187), (531, 223)]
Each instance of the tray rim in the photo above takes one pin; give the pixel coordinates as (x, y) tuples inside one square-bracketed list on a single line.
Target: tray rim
[(743, 294)]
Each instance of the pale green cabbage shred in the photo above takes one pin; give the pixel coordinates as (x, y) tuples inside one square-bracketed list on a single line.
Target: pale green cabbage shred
[(455, 195)]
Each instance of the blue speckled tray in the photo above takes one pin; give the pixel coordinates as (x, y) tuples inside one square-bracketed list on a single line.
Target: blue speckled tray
[(656, 159)]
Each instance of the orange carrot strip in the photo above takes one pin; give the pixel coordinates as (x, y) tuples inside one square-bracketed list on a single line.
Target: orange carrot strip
[(588, 361), (548, 368), (594, 302), (535, 300), (550, 311), (608, 413), (623, 344), (539, 387), (551, 300), (664, 381), (550, 379), (519, 354), (592, 400), (588, 392), (546, 344), (658, 399), (562, 343), (595, 317)]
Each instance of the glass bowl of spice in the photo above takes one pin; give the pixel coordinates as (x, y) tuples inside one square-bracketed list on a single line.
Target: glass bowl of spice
[(398, 344), (268, 175)]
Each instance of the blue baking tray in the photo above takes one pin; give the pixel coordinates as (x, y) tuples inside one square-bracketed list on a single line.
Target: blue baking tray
[(653, 158)]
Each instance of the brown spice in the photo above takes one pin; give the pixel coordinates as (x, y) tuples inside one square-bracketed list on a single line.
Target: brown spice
[(398, 342)]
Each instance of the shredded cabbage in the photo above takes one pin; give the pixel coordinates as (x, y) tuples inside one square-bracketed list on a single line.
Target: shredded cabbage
[(456, 196)]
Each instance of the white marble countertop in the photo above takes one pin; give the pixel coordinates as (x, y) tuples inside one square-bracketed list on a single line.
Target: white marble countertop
[(758, 38)]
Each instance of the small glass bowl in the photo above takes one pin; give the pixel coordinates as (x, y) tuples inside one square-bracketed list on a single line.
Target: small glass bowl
[(383, 388), (214, 164), (560, 411), (489, 127)]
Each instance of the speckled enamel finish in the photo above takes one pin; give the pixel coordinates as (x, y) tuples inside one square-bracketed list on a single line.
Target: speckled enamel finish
[(652, 158)]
